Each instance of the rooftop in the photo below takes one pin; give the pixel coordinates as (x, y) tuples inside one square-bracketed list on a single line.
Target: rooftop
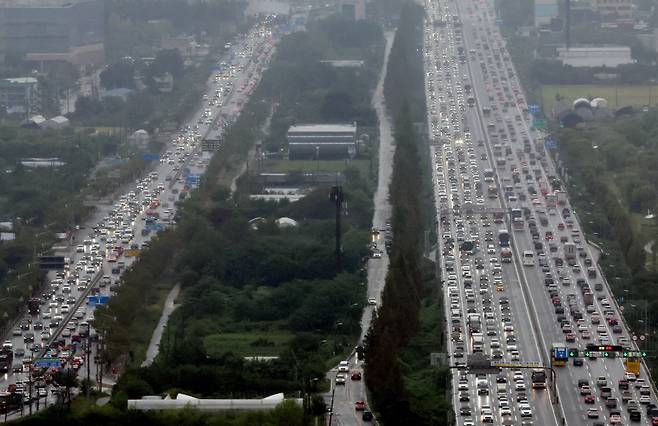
[(20, 80), (323, 128), (38, 3)]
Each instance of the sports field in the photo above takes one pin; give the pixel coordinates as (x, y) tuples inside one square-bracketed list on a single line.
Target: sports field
[(617, 96)]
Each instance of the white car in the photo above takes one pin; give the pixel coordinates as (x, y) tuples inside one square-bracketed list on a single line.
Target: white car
[(372, 301)]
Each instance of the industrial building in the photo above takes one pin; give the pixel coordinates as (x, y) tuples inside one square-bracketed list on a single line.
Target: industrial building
[(619, 9), (321, 141), (182, 401), (595, 56), (352, 9), (53, 30), (20, 95), (545, 12)]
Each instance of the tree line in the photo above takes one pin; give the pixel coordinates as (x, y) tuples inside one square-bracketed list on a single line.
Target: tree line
[(404, 387), (612, 167)]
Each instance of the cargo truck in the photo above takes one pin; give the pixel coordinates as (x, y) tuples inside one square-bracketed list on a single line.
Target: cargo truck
[(570, 253), (474, 323), (561, 197)]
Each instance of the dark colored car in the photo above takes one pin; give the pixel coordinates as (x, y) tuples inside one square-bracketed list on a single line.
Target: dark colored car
[(367, 416)]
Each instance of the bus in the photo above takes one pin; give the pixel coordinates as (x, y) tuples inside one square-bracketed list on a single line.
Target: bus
[(559, 354), (538, 378), (528, 258)]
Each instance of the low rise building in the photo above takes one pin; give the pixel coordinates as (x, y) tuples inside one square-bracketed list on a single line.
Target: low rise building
[(321, 141), (619, 9), (20, 95), (595, 56)]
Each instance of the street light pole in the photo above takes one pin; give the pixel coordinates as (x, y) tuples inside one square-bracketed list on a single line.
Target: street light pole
[(337, 197)]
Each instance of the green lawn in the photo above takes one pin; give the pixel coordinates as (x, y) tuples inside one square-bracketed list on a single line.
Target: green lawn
[(246, 344), (617, 96), (281, 166)]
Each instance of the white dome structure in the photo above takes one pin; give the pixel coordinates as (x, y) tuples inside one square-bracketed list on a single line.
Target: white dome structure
[(286, 222), (581, 103), (599, 103)]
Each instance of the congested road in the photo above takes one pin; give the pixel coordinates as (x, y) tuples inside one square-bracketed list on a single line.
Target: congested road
[(519, 276), (62, 316)]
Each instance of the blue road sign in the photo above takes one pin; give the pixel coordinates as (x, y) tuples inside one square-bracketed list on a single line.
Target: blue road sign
[(550, 143), (561, 353), (533, 109), (150, 157), (157, 227), (193, 180), (47, 362), (97, 300)]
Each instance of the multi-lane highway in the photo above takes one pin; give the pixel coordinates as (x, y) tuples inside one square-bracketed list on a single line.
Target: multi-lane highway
[(109, 242), (518, 274)]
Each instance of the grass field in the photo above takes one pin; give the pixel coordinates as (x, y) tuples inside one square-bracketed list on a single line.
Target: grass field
[(617, 96), (246, 344), (281, 166)]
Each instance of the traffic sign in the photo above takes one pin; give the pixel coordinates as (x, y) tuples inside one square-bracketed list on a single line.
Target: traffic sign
[(539, 123), (193, 180), (560, 353), (47, 362), (150, 157), (51, 262), (604, 348), (642, 337), (550, 144), (479, 364), (533, 109), (98, 300)]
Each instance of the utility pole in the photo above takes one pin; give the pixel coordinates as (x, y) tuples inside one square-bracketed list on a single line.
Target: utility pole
[(337, 197)]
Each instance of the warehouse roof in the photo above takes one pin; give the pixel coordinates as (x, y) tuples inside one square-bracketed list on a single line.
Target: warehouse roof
[(323, 128), (37, 3)]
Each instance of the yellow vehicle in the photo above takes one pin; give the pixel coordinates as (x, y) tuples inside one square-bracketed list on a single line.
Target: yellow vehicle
[(500, 287), (633, 365)]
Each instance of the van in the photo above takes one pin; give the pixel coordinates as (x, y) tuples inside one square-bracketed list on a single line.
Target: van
[(343, 367), (501, 388)]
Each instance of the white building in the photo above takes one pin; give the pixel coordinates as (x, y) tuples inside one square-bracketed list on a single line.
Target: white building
[(257, 8), (595, 56), (207, 405)]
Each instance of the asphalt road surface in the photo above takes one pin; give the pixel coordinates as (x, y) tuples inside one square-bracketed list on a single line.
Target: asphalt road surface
[(489, 160)]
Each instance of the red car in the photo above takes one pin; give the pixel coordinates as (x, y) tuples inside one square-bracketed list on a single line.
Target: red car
[(560, 226), (654, 421), (359, 405), (571, 337), (356, 376), (590, 399)]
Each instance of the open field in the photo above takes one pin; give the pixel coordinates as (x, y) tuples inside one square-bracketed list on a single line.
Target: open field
[(617, 96), (246, 344), (282, 166)]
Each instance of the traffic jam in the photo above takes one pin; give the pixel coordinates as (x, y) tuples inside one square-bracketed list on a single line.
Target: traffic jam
[(56, 334), (513, 252)]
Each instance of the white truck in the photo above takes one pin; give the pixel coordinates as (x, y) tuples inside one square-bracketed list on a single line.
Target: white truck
[(570, 253), (474, 323)]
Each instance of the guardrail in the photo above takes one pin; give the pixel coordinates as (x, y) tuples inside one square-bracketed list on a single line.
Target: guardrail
[(69, 316)]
